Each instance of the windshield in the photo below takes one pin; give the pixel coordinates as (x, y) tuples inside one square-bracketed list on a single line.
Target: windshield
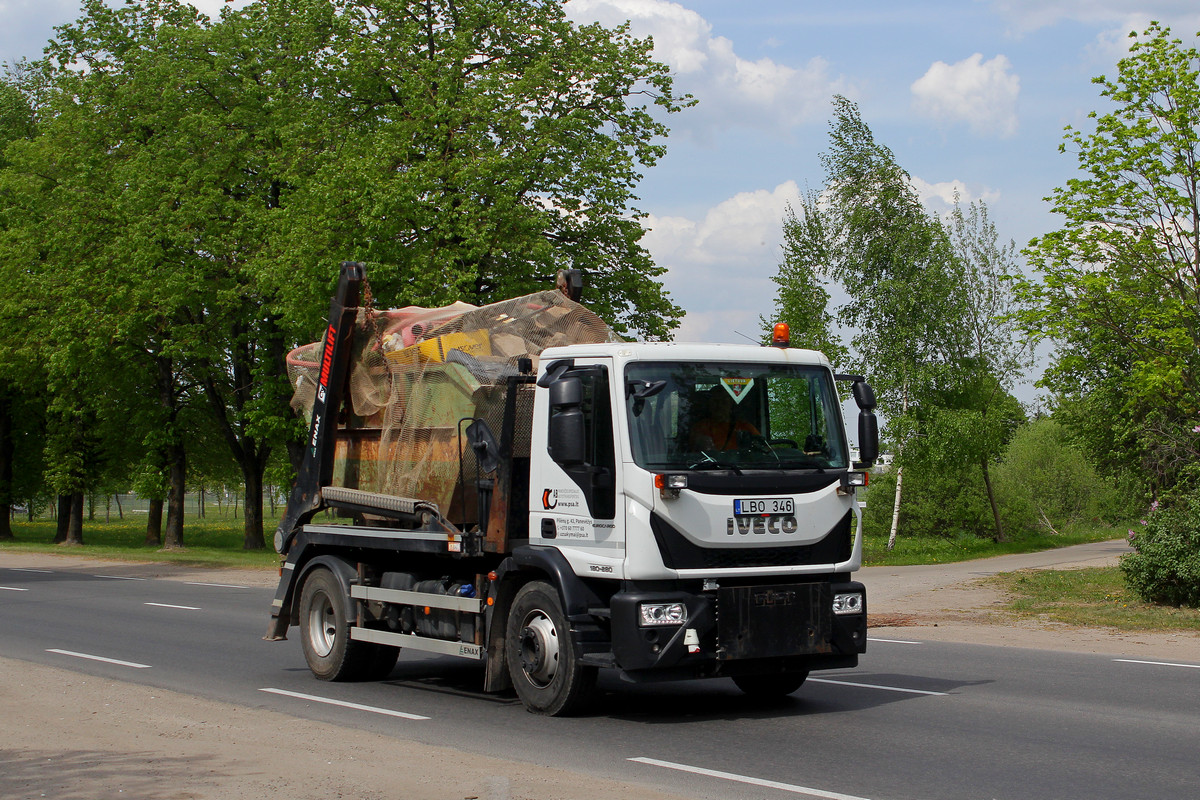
[(734, 416)]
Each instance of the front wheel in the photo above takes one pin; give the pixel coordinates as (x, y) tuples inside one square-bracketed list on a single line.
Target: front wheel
[(779, 684), (541, 656)]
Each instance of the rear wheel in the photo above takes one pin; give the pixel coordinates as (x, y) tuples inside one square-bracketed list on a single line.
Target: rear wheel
[(541, 656), (325, 634), (777, 684)]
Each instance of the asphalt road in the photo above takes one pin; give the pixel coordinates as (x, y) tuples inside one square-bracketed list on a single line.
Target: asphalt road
[(916, 720)]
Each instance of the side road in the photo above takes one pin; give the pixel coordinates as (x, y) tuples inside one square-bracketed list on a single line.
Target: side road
[(950, 602)]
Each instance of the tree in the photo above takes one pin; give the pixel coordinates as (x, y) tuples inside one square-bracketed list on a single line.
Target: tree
[(869, 233), (18, 373), (1119, 289), (201, 179), (975, 413), (802, 297)]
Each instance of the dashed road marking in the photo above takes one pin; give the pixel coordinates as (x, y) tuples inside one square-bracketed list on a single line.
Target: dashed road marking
[(875, 686), (169, 605), (746, 779), (356, 706), (1156, 663), (91, 657)]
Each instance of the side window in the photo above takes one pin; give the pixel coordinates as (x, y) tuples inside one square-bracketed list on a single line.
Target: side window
[(595, 471)]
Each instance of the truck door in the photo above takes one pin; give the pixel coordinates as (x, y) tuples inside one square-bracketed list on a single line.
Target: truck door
[(575, 484)]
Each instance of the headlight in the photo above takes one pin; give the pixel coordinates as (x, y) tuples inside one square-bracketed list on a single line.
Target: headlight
[(850, 603), (654, 614)]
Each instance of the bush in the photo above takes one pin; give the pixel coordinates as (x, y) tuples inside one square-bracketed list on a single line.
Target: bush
[(1044, 482), (1165, 565)]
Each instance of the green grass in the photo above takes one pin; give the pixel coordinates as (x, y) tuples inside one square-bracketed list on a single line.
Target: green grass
[(1092, 597), (212, 543), (948, 549)]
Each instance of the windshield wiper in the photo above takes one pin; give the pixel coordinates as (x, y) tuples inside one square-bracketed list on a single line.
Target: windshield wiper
[(709, 462)]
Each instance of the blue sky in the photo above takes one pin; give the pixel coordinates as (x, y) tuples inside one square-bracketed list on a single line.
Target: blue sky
[(971, 95)]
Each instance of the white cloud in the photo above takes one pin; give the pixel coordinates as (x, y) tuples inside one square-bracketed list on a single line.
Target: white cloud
[(1030, 15), (719, 266), (981, 93), (731, 90), (939, 197), (1118, 17)]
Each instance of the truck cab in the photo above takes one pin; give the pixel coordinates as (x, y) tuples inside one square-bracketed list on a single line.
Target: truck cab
[(709, 489)]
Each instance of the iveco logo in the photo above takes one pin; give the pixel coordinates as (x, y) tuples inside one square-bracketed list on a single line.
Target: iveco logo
[(774, 598), (748, 525)]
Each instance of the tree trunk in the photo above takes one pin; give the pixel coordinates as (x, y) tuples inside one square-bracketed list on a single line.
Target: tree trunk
[(175, 497), (154, 517), (120, 513), (64, 518), (200, 503), (75, 524), (896, 506), (987, 483), (899, 481), (253, 531)]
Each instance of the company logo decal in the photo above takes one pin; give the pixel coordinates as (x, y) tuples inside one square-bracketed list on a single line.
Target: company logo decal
[(749, 525), (549, 499)]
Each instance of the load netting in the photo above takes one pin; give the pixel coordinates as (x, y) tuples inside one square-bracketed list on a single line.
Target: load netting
[(417, 373)]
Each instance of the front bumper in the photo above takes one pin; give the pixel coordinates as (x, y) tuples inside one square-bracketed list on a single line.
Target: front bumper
[(740, 629)]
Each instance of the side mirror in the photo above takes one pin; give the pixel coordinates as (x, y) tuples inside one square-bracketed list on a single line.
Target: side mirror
[(864, 395), (567, 445), (868, 436)]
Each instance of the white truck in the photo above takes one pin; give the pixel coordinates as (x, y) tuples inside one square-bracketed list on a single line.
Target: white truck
[(666, 510)]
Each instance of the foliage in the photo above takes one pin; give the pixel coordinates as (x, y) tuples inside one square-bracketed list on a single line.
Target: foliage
[(930, 307), (173, 227), (1120, 281), (1165, 564), (869, 233), (802, 297), (1045, 482)]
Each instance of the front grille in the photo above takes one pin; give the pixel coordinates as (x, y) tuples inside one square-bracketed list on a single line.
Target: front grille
[(680, 553)]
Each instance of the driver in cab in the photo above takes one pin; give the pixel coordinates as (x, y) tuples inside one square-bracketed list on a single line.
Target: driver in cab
[(717, 427)]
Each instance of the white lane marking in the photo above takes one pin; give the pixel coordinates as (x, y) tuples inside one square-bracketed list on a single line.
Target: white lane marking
[(874, 686), (119, 578), (729, 776), (1156, 663), (30, 569), (892, 641), (13, 589), (218, 585), (344, 704), (168, 605), (118, 662)]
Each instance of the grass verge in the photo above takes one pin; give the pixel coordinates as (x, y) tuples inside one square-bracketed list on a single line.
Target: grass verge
[(217, 543), (1091, 597), (948, 549)]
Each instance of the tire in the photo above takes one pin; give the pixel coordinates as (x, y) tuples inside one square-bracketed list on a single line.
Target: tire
[(541, 656), (325, 635), (772, 685)]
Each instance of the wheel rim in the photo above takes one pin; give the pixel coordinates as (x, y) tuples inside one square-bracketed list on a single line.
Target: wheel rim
[(539, 649), (322, 625)]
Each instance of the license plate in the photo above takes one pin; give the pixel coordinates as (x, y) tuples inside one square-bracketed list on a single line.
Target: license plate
[(764, 505)]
